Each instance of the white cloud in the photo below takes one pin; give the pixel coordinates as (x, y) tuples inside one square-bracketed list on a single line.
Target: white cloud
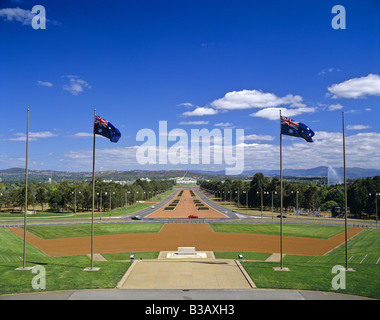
[(259, 137), (17, 14), (44, 83), (32, 136), (195, 123), (362, 150), (247, 99), (83, 135), (186, 104), (357, 127), (328, 70), (334, 107), (356, 87), (200, 111), (274, 113), (23, 16), (224, 125), (75, 85)]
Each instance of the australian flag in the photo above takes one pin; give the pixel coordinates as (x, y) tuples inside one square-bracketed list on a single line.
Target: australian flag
[(106, 129), (296, 129)]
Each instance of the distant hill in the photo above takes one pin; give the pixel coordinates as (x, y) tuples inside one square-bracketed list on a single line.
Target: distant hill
[(18, 174), (322, 171)]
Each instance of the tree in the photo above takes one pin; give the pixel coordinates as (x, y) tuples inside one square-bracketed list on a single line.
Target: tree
[(328, 205), (41, 196)]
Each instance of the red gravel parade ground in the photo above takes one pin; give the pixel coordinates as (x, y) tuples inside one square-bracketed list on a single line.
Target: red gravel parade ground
[(174, 235)]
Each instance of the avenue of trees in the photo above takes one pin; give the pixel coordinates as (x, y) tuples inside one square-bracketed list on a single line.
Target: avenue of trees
[(61, 197), (360, 194)]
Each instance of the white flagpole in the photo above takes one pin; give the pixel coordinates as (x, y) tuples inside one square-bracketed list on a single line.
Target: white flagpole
[(26, 192), (93, 200), (281, 192), (345, 192)]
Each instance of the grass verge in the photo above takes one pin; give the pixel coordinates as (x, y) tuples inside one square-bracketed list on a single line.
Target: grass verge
[(84, 230), (315, 273), (294, 230)]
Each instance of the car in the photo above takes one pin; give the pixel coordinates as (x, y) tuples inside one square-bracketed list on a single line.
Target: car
[(136, 218), (152, 207), (192, 216), (279, 216)]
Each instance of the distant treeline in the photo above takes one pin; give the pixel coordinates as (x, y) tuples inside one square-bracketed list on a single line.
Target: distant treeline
[(62, 196), (310, 197)]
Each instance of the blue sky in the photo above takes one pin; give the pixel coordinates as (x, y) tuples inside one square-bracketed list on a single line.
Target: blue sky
[(195, 64)]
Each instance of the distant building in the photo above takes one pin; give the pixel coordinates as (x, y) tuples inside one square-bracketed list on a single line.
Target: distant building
[(338, 212), (186, 180)]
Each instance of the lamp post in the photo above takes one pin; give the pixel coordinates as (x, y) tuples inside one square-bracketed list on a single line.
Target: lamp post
[(275, 192), (237, 197), (111, 193), (75, 202), (101, 204), (261, 194), (376, 194), (126, 199), (246, 201), (266, 192), (297, 192)]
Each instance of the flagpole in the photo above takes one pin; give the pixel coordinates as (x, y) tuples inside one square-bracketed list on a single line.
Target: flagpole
[(93, 197), (345, 192), (281, 202), (93, 200), (26, 192), (26, 184)]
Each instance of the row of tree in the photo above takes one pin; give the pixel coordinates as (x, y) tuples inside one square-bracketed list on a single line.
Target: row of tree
[(66, 197), (361, 194)]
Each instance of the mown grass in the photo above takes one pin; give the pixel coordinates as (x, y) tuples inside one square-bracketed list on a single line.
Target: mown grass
[(294, 230), (246, 255), (70, 215), (306, 272), (122, 256), (62, 273), (315, 273), (84, 230)]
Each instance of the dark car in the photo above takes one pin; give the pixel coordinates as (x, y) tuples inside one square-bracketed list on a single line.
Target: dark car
[(136, 218), (192, 216), (279, 216)]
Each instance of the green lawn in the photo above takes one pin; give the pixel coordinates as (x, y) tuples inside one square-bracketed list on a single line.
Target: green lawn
[(294, 230), (127, 255), (306, 273), (246, 255), (315, 273), (70, 215), (84, 230), (61, 273)]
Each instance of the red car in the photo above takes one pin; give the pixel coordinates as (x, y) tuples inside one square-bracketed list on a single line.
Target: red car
[(192, 216)]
